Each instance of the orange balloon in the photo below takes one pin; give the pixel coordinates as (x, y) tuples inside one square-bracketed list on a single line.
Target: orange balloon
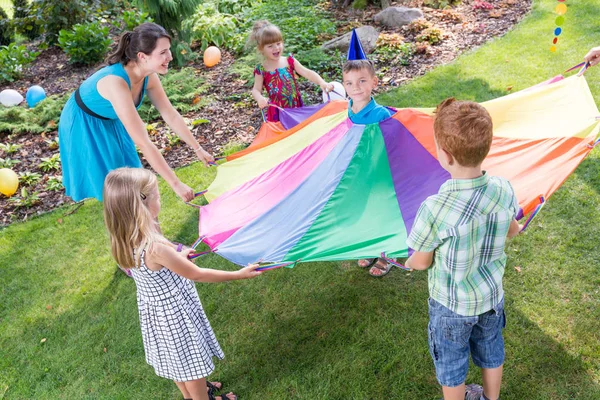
[(9, 182), (212, 56)]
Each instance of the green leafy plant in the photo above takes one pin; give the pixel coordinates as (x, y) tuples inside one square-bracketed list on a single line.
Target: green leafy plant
[(172, 138), (431, 35), (418, 25), (54, 183), (85, 43), (29, 178), (50, 163), (328, 64), (6, 32), (12, 60), (359, 4), (26, 199), (440, 3), (10, 148), (392, 48), (234, 7), (301, 22), (20, 8), (209, 27), (129, 19), (54, 16), (24, 20), (52, 143), (8, 162)]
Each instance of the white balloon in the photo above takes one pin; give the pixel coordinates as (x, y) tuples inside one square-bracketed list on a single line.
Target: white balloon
[(338, 93), (10, 97)]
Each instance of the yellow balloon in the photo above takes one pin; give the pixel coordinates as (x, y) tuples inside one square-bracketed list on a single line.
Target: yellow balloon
[(561, 9), (212, 56), (9, 182)]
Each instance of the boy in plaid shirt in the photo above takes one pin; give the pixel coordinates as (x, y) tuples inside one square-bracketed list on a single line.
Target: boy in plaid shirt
[(461, 233)]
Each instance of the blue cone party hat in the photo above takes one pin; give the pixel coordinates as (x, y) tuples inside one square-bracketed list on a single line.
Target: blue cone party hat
[(355, 51)]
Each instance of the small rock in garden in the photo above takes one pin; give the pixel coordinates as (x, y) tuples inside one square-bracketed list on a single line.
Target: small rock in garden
[(397, 16), (367, 34)]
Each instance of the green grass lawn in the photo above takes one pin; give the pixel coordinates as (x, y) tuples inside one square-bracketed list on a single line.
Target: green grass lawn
[(68, 318)]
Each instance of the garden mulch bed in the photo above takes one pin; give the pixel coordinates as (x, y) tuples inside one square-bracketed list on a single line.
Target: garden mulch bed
[(465, 27)]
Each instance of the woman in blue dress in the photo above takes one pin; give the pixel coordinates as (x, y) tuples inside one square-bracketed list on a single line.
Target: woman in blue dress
[(100, 127)]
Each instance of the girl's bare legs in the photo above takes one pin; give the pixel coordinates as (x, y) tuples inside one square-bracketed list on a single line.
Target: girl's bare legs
[(197, 390), (183, 390)]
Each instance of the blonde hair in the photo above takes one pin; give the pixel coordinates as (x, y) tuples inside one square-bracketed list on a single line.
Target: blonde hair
[(264, 33), (128, 220), (464, 129)]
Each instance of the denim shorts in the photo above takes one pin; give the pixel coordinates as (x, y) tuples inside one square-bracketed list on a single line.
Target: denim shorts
[(453, 336)]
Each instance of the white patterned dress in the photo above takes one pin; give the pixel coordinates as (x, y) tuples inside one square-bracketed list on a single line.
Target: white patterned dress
[(178, 339)]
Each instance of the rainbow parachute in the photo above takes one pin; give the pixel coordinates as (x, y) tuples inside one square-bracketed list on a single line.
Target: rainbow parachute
[(316, 187)]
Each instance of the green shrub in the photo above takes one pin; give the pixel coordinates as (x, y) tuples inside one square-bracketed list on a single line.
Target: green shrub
[(182, 87), (20, 8), (85, 43), (44, 117), (301, 22), (6, 31), (391, 48), (440, 3), (170, 14), (24, 19), (235, 7), (209, 27), (328, 65), (131, 18), (54, 16), (12, 60), (244, 67), (359, 4)]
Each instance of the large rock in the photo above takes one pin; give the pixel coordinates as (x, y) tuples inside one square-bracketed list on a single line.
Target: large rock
[(397, 16), (367, 34)]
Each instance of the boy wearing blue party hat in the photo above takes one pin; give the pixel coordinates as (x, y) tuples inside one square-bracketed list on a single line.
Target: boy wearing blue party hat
[(359, 80)]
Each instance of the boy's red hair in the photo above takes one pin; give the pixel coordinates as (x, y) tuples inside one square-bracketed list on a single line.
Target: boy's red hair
[(464, 129)]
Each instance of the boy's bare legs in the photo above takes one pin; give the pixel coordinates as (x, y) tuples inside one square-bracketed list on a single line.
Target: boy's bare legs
[(454, 393), (492, 379)]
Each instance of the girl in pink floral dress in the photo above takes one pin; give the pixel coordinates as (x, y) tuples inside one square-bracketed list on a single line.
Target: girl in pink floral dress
[(277, 74)]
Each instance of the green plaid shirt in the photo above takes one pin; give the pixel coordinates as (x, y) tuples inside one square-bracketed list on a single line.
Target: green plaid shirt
[(466, 224)]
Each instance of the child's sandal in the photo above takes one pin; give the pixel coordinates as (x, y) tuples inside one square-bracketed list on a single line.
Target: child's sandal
[(371, 262)]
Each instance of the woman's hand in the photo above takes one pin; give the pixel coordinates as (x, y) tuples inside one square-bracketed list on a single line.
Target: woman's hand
[(593, 56), (184, 191), (204, 156)]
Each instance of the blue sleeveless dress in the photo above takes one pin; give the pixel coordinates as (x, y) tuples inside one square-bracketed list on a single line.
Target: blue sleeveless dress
[(91, 147)]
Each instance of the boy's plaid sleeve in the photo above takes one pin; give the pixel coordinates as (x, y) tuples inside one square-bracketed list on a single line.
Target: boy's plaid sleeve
[(423, 236), (514, 206)]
